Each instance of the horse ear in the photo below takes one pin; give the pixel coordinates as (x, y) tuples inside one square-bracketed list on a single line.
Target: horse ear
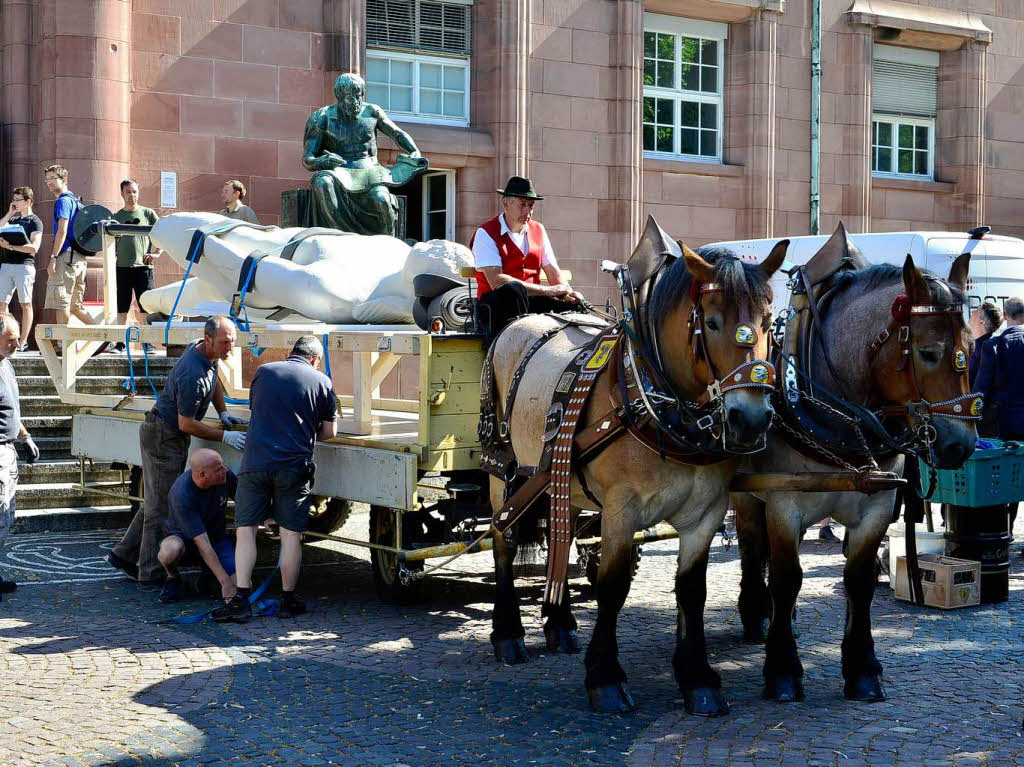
[(775, 259), (958, 272), (915, 283), (697, 266)]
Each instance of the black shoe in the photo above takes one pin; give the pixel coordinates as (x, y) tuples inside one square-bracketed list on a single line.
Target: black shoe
[(126, 567), (290, 605), (102, 349), (148, 348), (6, 587), (827, 534), (117, 348), (171, 592), (238, 610)]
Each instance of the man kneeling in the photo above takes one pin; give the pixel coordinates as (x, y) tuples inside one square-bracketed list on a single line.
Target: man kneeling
[(197, 504)]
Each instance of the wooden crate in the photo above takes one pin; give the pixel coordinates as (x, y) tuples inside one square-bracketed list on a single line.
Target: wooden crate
[(947, 582)]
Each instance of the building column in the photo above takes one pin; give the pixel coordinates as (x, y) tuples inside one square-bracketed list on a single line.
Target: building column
[(856, 209), (512, 129), (86, 99), (763, 73), (626, 173), (346, 30), (20, 161), (975, 99)]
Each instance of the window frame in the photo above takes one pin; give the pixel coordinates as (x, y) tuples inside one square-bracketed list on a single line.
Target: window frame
[(680, 27), (417, 59), (449, 201), (896, 121)]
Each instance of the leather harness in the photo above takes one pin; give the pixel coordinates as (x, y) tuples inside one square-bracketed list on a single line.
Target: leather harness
[(643, 404)]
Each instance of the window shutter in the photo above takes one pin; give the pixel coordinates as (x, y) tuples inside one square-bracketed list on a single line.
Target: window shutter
[(419, 25), (900, 88)]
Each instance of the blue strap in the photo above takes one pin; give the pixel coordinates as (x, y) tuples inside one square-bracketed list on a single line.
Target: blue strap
[(132, 334), (261, 606), (327, 358), (195, 252)]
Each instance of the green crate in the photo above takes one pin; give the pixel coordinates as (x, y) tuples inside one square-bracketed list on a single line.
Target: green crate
[(987, 478)]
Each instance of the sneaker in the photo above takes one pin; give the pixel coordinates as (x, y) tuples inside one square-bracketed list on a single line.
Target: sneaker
[(148, 348), (126, 567), (6, 587), (171, 592), (290, 605), (101, 349), (238, 610), (22, 347), (117, 348), (827, 534)]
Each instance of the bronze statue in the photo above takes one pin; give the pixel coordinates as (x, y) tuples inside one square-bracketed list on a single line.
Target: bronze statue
[(349, 188)]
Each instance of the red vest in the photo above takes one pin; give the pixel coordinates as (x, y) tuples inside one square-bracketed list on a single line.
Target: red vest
[(513, 262)]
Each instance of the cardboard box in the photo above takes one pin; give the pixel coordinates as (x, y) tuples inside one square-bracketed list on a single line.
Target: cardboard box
[(947, 582)]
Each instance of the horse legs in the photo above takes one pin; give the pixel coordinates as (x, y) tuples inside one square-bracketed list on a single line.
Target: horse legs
[(506, 621), (782, 668), (861, 669), (752, 535), (700, 684), (605, 680)]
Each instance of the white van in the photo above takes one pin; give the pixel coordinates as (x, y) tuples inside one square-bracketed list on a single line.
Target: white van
[(997, 262)]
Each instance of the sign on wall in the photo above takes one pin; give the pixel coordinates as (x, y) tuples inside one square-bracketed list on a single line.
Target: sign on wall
[(168, 189)]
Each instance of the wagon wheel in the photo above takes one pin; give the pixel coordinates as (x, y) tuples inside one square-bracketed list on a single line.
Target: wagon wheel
[(385, 565), (589, 560), (328, 514)]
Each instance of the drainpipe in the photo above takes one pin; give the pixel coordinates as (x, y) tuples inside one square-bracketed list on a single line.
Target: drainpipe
[(815, 114)]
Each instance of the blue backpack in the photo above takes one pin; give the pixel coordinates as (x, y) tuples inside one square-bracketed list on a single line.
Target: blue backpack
[(77, 206)]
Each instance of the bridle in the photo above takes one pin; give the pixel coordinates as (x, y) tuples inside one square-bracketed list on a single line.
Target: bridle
[(964, 407), (752, 373)]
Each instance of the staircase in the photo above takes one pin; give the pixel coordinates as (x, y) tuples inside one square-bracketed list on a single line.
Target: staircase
[(46, 498)]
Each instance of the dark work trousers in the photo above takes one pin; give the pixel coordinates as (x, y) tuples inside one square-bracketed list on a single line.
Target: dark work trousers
[(500, 306), (164, 453)]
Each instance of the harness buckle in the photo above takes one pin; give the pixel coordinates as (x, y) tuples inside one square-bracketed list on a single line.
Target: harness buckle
[(904, 334), (503, 429), (706, 423), (882, 337)]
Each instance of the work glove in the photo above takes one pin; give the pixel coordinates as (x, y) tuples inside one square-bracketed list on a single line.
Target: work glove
[(230, 420), (235, 439), (31, 449)]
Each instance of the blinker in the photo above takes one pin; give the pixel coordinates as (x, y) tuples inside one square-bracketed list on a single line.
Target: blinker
[(745, 335), (960, 360)]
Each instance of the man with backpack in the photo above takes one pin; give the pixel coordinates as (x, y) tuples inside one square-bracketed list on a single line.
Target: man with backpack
[(65, 285)]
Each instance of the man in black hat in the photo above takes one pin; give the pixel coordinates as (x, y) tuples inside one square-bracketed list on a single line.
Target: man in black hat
[(511, 251)]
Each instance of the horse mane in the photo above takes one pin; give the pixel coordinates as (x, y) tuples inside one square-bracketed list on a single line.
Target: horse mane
[(740, 282), (882, 275)]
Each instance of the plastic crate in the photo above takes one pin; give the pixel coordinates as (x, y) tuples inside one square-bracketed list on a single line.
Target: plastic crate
[(991, 476)]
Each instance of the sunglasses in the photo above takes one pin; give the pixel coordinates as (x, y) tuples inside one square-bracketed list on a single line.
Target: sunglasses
[(18, 199)]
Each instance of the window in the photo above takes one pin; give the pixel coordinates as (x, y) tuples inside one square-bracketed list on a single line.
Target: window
[(419, 25), (904, 86), (427, 207), (419, 88), (683, 78)]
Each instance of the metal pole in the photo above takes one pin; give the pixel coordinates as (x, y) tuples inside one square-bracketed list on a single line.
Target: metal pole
[(815, 115)]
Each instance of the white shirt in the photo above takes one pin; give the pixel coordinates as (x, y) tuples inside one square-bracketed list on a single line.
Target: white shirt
[(486, 251)]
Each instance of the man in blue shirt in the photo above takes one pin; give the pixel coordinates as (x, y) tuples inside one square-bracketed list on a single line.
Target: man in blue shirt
[(164, 438), (196, 523), (999, 374), (65, 285), (291, 404)]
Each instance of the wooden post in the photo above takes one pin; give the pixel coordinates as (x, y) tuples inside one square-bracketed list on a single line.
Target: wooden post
[(109, 280)]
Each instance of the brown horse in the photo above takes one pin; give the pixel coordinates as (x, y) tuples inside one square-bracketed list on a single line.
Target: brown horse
[(918, 376), (635, 486)]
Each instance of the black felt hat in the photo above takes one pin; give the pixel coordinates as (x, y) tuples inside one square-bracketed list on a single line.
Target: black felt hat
[(518, 186)]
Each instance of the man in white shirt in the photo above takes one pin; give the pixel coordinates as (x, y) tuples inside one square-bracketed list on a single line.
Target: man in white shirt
[(511, 251)]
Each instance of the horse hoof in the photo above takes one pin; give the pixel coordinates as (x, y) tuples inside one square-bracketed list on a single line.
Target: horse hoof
[(784, 689), (705, 701), (611, 698), (511, 652), (866, 688), (562, 640)]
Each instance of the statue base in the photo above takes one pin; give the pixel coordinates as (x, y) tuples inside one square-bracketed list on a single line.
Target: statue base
[(295, 210)]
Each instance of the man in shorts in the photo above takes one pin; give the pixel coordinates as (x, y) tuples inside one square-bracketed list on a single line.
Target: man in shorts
[(135, 254), (18, 262), (65, 286), (196, 523), (291, 404)]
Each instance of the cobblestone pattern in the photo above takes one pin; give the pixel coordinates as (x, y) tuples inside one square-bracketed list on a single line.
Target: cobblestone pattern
[(87, 681)]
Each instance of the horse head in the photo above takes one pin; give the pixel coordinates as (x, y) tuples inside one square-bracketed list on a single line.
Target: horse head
[(924, 364), (712, 317)]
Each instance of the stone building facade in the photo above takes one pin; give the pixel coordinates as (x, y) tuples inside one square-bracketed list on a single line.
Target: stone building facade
[(696, 111)]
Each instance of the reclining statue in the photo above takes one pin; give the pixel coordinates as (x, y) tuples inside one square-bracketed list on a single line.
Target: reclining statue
[(321, 274)]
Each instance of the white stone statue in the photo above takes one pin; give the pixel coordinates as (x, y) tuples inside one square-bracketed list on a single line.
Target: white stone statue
[(336, 279)]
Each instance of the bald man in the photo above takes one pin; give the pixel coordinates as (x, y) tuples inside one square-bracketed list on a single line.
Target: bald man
[(196, 523)]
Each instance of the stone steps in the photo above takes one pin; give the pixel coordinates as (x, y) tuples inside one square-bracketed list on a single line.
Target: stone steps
[(64, 470), (64, 518), (52, 494)]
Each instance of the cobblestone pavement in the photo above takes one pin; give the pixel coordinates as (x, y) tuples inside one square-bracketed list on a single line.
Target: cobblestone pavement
[(88, 681)]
